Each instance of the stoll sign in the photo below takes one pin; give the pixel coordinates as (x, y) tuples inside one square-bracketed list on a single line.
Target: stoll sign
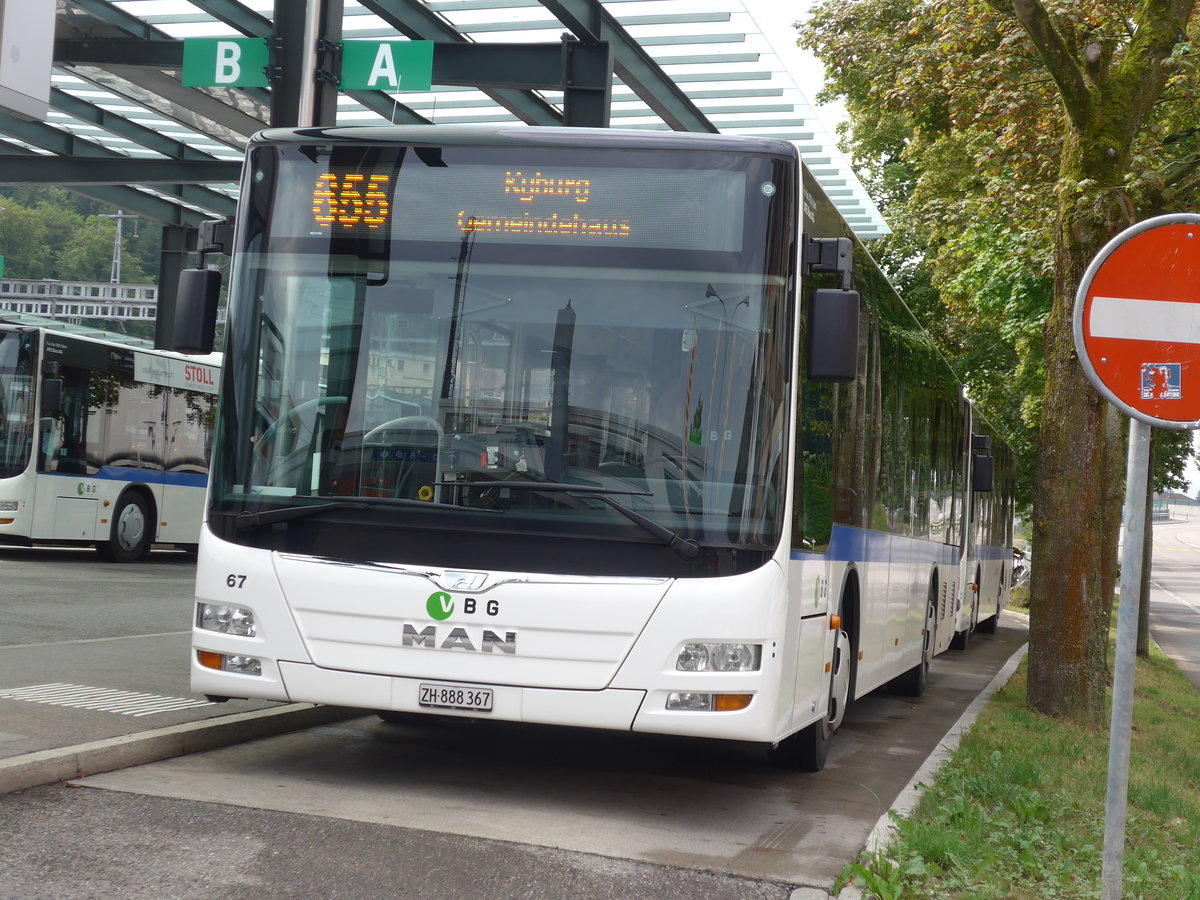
[(1137, 321)]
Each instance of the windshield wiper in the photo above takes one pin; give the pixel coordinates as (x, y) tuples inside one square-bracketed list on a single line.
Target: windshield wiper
[(687, 548), (248, 521), (245, 520)]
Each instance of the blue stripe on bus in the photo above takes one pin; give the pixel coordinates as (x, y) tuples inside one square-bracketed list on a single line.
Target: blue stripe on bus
[(144, 476), (848, 544), (990, 552)]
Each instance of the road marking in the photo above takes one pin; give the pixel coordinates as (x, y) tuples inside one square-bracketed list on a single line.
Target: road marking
[(118, 637), (1175, 596), (125, 703)]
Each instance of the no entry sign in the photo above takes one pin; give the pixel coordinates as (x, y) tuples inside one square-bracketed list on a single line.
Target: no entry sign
[(1137, 321)]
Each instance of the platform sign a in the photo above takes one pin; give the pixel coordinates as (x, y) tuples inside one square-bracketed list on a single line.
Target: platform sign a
[(1137, 321), (387, 65)]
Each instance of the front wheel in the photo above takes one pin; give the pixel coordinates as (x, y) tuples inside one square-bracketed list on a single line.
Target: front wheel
[(808, 749), (129, 539)]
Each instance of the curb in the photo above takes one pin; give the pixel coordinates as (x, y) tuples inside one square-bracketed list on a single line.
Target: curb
[(62, 764), (907, 799)]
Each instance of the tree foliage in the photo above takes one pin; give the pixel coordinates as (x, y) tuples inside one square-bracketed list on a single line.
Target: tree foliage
[(48, 233), (1009, 140)]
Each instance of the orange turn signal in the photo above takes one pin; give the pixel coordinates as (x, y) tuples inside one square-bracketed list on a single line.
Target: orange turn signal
[(835, 623), (731, 702), (210, 660)]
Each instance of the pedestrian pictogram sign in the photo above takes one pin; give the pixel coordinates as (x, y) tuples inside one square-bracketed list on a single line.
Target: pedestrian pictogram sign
[(1137, 321)]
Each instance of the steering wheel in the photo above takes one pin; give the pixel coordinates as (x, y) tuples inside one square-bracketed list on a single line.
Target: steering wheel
[(411, 422)]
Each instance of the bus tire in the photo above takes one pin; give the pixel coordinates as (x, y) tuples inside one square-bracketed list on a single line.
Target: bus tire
[(808, 749), (961, 639), (912, 683), (988, 625), (129, 538)]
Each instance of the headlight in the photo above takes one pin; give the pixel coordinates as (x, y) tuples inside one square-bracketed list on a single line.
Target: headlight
[(9, 505), (242, 665), (719, 657), (708, 702), (225, 619)]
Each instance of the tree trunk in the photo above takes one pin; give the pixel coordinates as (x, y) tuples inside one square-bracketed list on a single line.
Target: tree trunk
[(1078, 477)]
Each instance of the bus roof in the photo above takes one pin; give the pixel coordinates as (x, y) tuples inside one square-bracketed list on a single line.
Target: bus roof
[(98, 334), (522, 136)]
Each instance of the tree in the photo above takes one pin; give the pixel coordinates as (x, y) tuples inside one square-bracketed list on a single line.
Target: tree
[(43, 227), (1038, 129), (90, 253), (22, 238)]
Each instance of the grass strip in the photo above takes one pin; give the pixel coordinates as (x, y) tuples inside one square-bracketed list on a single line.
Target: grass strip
[(1017, 813)]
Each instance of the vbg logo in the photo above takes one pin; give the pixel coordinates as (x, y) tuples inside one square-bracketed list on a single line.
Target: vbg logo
[(440, 606)]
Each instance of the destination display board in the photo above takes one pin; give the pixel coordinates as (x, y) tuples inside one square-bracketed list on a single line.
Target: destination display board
[(398, 196)]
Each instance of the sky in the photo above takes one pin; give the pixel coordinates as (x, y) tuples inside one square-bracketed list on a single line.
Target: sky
[(775, 19)]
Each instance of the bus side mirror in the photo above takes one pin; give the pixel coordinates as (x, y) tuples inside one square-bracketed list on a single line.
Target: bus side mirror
[(192, 322), (981, 475), (52, 395), (833, 335), (52, 388)]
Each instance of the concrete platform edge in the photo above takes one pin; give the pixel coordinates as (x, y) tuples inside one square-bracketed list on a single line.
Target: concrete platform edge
[(62, 764)]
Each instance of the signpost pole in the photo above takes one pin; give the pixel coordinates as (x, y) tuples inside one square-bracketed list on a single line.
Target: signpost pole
[(308, 66), (1136, 475), (1137, 331)]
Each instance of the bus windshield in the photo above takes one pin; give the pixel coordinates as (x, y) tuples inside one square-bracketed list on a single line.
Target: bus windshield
[(451, 337), (16, 401)]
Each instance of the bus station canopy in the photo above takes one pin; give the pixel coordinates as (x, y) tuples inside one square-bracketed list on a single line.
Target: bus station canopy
[(123, 129)]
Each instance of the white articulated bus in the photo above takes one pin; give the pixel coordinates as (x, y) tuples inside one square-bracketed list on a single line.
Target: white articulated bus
[(103, 440), (585, 427)]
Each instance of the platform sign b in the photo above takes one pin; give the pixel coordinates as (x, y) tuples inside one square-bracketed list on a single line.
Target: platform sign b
[(225, 62)]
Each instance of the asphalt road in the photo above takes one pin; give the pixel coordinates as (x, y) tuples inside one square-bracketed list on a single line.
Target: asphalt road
[(1175, 590), (430, 808), (86, 626)]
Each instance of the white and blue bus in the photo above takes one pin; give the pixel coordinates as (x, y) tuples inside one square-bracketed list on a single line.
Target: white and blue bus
[(104, 440), (585, 427)]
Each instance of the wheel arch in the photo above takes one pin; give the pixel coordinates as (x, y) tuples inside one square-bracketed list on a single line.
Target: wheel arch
[(851, 606)]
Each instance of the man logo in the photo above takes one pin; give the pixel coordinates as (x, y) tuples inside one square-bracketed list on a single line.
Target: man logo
[(459, 639)]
